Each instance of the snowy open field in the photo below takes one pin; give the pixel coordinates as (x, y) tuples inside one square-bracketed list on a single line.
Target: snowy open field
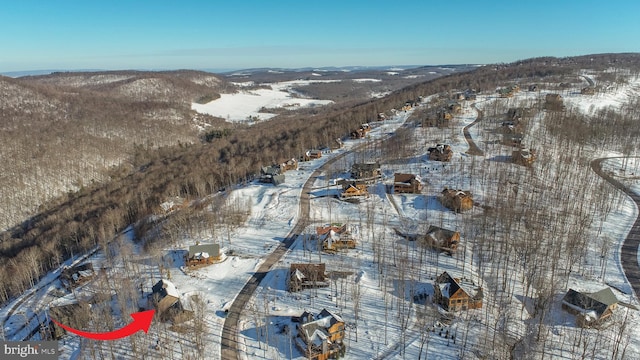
[(247, 104), (388, 279)]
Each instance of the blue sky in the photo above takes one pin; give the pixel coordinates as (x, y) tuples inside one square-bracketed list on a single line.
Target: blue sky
[(115, 34)]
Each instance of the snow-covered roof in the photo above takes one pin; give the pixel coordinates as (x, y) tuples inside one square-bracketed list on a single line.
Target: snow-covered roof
[(316, 331), (201, 255), (166, 288)]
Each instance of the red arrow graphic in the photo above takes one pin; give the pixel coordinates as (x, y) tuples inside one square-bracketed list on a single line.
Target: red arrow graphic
[(141, 321)]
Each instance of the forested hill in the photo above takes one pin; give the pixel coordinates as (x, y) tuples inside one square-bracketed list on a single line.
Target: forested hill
[(180, 166)]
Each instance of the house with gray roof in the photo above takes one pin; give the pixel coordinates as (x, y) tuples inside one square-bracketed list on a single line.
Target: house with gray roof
[(591, 309)]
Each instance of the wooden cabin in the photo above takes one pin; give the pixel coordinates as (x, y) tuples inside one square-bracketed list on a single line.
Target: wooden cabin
[(369, 170), (455, 295), (272, 175), (361, 132), (312, 154), (335, 237), (441, 239), (165, 298), (202, 255), (321, 337), (306, 276), (456, 200), (291, 164), (440, 152), (591, 309), (353, 189), (554, 102), (406, 183), (74, 276)]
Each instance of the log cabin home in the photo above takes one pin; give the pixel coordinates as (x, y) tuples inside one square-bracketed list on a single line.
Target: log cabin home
[(312, 154), (554, 102), (590, 309), (321, 337), (456, 200), (73, 276), (442, 239), (291, 164), (407, 183), (335, 237), (306, 276), (353, 189), (272, 175), (370, 170), (165, 298), (453, 294), (440, 152), (202, 255)]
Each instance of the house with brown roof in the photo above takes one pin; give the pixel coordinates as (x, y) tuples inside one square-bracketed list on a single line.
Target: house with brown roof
[(291, 164), (361, 132), (165, 298), (321, 337), (306, 276), (312, 154), (554, 102), (407, 183), (74, 276), (353, 189), (440, 152), (335, 237), (591, 309), (442, 239), (369, 170), (456, 200), (453, 294)]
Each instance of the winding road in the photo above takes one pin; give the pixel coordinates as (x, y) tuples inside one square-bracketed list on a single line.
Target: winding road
[(629, 250), (473, 148)]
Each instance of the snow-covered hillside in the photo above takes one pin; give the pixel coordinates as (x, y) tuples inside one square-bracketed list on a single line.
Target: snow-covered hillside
[(384, 289)]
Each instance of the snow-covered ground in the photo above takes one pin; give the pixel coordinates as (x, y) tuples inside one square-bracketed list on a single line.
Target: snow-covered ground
[(246, 105), (387, 277)]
